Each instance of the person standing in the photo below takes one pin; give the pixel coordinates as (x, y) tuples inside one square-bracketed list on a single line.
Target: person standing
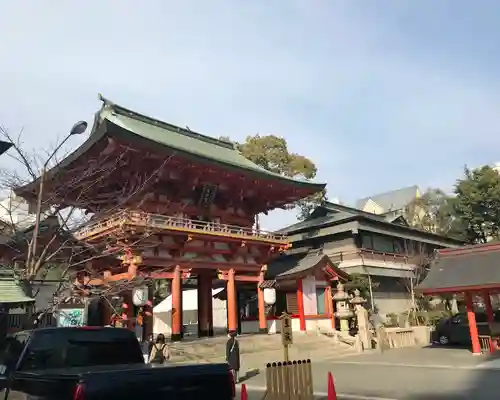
[(233, 355), (160, 352)]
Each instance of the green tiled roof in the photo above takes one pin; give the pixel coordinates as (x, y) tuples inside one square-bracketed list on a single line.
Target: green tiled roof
[(131, 126), (10, 290), (186, 141)]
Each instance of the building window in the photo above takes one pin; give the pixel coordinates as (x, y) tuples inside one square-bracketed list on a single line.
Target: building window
[(366, 241), (383, 244), (320, 301)]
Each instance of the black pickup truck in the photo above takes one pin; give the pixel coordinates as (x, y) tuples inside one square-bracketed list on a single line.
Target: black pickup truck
[(96, 363)]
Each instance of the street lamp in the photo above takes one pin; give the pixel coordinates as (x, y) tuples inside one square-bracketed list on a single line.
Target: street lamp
[(77, 129)]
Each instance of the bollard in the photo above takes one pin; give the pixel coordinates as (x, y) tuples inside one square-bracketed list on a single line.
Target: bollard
[(332, 394), (244, 394)]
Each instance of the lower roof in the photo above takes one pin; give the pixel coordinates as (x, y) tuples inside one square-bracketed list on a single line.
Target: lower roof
[(301, 264), (469, 268)]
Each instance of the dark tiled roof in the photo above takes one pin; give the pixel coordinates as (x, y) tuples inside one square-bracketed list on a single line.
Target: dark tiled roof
[(315, 222), (337, 215), (4, 146), (393, 200), (296, 264), (471, 266)]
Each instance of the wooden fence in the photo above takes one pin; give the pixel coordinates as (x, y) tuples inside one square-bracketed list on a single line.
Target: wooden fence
[(290, 380)]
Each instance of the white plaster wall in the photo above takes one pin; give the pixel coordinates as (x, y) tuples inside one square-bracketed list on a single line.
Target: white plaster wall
[(162, 314), (274, 326), (313, 325)]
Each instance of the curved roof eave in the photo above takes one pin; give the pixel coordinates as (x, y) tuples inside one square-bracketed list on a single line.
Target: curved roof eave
[(110, 114), (97, 133)]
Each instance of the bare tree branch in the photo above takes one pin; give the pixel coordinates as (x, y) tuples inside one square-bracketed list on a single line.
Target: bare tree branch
[(69, 202)]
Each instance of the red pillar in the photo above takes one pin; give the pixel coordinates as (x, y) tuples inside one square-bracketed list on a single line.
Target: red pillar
[(489, 308), (262, 306), (476, 347), (204, 303), (232, 304), (177, 305), (300, 305)]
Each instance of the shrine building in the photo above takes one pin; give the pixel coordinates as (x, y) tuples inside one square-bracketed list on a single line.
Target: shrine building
[(172, 204), (471, 272)]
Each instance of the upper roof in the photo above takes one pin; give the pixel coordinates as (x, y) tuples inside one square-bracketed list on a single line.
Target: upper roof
[(129, 125), (331, 214), (466, 268), (393, 200)]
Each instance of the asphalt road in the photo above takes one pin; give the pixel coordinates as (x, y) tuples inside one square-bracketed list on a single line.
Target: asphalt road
[(379, 381)]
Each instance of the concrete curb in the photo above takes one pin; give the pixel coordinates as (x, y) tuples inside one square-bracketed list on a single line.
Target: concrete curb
[(486, 365), (344, 396)]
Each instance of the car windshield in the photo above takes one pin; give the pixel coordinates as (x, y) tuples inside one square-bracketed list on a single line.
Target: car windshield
[(59, 348)]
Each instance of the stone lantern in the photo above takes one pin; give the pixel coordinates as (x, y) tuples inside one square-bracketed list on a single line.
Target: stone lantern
[(362, 319), (357, 301), (343, 312)]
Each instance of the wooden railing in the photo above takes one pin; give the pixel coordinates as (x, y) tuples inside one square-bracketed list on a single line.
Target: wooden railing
[(158, 221), (373, 255)]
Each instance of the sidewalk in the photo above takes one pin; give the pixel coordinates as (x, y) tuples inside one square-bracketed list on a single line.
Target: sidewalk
[(258, 393)]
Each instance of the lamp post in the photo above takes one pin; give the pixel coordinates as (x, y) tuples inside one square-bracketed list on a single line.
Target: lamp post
[(77, 129)]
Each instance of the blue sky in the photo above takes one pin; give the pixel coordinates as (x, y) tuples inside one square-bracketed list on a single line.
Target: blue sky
[(379, 94)]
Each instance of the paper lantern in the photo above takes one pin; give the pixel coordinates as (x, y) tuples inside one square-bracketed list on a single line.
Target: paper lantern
[(140, 296), (269, 296)]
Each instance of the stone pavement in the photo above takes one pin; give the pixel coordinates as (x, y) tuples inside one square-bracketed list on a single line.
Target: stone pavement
[(257, 350)]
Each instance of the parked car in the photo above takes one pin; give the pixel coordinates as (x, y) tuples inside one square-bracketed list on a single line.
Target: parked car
[(98, 363), (455, 330)]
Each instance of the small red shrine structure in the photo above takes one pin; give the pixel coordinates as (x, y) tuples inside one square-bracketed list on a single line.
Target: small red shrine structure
[(179, 204), (471, 271)]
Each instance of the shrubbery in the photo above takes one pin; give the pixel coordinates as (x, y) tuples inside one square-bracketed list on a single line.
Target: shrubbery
[(419, 318)]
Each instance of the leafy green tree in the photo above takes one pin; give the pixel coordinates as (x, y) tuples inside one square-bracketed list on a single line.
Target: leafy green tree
[(477, 204), (271, 152), (362, 283), (432, 212)]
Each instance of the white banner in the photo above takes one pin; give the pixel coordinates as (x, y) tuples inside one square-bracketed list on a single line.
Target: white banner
[(309, 295)]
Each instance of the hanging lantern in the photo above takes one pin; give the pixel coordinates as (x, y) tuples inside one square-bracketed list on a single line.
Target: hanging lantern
[(269, 296), (140, 296)]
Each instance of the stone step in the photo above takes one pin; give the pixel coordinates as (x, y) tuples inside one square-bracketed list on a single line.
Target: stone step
[(260, 347)]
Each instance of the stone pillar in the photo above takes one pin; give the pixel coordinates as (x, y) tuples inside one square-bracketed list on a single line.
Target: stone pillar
[(300, 305), (262, 306), (204, 303), (474, 335), (330, 310), (489, 308), (232, 304), (177, 305)]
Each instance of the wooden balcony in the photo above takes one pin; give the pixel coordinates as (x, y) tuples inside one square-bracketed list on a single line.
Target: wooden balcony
[(162, 223), (372, 255)]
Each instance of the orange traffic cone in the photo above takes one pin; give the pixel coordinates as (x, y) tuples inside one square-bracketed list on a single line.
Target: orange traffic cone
[(244, 394), (332, 394)]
